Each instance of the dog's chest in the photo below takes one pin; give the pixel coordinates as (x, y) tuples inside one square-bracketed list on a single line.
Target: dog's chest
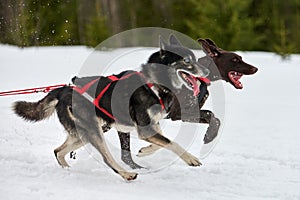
[(123, 128), (155, 115)]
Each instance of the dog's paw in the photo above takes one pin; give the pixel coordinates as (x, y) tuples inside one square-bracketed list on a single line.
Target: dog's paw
[(148, 150), (135, 166), (129, 176), (62, 162), (145, 151), (212, 131), (194, 163), (132, 164), (127, 159), (191, 160)]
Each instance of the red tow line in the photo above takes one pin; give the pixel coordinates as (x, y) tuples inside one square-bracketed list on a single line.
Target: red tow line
[(45, 89)]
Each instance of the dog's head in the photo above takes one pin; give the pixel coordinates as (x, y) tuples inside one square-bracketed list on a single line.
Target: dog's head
[(175, 66), (230, 65)]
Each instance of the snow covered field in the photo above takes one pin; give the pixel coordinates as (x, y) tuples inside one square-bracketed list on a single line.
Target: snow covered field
[(257, 157)]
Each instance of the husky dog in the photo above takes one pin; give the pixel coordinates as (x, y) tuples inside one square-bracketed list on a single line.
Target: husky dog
[(127, 101)]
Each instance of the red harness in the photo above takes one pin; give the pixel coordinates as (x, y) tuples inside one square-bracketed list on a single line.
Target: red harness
[(95, 101), (83, 91)]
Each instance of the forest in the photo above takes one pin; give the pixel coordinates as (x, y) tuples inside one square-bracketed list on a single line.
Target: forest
[(248, 25)]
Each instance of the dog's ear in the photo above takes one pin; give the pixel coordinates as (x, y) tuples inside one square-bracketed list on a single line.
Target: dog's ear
[(162, 44), (205, 61), (173, 40), (209, 47), (209, 41), (74, 79)]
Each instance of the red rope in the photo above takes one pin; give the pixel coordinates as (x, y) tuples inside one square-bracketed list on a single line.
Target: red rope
[(45, 89)]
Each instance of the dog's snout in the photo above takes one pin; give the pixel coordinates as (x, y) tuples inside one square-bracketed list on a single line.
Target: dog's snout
[(206, 71), (254, 70), (203, 70)]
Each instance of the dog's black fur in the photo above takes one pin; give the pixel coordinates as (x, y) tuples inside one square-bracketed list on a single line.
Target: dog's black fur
[(222, 64), (133, 104)]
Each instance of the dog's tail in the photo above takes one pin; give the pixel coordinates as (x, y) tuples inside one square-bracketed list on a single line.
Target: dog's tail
[(37, 111)]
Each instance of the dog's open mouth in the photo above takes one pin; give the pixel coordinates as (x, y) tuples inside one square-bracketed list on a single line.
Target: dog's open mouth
[(235, 79), (190, 81)]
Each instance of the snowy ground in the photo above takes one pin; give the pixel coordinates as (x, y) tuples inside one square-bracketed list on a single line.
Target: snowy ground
[(257, 156)]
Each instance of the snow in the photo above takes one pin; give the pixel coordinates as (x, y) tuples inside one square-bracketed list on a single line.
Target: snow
[(257, 155)]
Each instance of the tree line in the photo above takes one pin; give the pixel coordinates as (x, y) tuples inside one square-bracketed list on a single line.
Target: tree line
[(260, 25)]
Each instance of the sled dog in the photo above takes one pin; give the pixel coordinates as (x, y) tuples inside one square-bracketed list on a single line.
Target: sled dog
[(131, 100)]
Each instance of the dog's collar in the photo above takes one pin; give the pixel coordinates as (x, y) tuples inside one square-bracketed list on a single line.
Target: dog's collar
[(205, 80)]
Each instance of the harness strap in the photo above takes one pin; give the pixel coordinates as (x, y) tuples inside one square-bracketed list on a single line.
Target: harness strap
[(151, 86), (97, 100), (83, 92), (86, 87), (113, 78)]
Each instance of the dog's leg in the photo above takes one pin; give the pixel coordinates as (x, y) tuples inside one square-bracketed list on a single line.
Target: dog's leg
[(96, 138), (153, 134), (148, 150), (72, 143), (206, 116), (125, 150)]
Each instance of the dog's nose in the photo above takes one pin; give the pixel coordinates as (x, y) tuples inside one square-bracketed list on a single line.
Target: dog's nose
[(205, 71), (254, 70)]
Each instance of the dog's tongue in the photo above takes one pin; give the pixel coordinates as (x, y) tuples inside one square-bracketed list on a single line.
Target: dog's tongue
[(193, 81), (196, 87)]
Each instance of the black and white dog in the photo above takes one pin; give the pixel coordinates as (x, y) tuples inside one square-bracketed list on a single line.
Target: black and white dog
[(127, 101)]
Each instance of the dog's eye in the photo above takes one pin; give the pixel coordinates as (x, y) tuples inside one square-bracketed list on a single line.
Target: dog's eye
[(187, 60), (235, 60)]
